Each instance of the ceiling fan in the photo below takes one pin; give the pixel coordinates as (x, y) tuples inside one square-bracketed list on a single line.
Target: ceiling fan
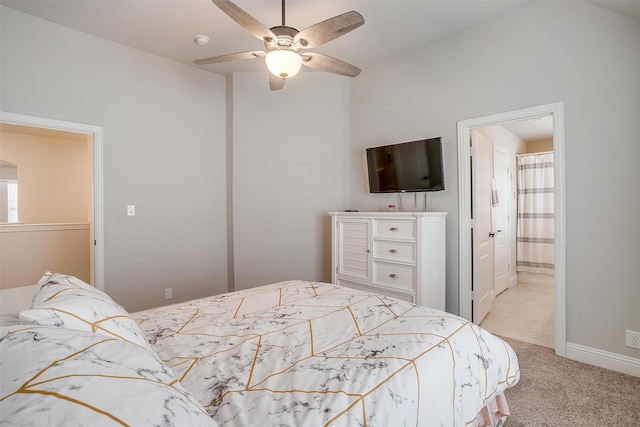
[(284, 45)]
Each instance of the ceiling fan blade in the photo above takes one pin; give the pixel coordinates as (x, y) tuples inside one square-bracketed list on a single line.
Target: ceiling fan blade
[(329, 29), (327, 63), (276, 83), (230, 57), (245, 20)]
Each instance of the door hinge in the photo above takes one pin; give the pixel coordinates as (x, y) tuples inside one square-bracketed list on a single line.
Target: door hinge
[(95, 243), (472, 223), (472, 151), (474, 295)]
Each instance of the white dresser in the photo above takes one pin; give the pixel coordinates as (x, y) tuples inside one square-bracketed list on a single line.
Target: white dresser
[(400, 254)]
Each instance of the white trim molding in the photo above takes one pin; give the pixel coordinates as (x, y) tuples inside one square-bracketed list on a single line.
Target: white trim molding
[(604, 359), (555, 109), (20, 228), (97, 136)]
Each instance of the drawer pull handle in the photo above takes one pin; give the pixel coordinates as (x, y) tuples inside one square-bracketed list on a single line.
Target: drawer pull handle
[(393, 229), (393, 276), (393, 251)]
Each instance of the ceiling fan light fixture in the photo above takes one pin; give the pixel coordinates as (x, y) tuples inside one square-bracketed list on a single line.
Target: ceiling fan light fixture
[(283, 63)]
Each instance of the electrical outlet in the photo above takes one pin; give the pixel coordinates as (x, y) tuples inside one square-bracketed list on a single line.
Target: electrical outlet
[(168, 293), (131, 210), (633, 339)]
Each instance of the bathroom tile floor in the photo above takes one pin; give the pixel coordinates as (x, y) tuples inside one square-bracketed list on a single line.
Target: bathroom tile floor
[(524, 312)]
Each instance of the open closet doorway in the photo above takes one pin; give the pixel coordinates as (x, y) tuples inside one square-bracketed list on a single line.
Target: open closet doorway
[(85, 230), (500, 256)]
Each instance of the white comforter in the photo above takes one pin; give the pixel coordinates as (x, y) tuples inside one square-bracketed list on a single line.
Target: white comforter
[(312, 354)]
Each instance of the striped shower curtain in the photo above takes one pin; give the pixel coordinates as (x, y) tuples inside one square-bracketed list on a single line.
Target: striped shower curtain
[(535, 233)]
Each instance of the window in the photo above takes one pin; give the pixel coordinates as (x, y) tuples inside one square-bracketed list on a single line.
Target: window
[(12, 201), (8, 192)]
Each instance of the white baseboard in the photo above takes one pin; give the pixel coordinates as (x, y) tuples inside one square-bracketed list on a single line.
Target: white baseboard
[(604, 359)]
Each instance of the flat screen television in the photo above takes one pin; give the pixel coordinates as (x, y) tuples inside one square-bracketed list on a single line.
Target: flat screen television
[(408, 166)]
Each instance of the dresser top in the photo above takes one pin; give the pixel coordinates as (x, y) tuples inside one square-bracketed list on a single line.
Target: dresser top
[(390, 214)]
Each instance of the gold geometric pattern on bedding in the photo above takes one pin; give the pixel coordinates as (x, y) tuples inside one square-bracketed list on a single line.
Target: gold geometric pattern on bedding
[(80, 378), (65, 301), (301, 348)]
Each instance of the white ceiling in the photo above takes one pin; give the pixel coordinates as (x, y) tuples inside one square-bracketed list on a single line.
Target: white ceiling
[(533, 129), (168, 27)]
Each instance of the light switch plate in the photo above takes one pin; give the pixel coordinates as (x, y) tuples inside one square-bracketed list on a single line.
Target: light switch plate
[(131, 210)]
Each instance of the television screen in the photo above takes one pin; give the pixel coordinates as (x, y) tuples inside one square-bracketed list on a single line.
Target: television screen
[(408, 166)]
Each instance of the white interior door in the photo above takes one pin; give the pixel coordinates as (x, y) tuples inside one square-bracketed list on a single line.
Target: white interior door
[(502, 249), (482, 230)]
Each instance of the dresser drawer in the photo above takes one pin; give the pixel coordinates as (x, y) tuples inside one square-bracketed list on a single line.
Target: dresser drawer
[(394, 229), (398, 275), (395, 251), (408, 296)]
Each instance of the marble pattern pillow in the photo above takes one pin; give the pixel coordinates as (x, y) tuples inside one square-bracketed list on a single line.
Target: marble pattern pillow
[(53, 283), (67, 302), (65, 377)]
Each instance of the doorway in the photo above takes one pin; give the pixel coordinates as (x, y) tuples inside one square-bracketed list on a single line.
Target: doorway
[(94, 135), (520, 301), (468, 224)]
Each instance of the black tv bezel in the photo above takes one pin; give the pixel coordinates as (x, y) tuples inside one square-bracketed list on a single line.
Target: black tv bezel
[(411, 190)]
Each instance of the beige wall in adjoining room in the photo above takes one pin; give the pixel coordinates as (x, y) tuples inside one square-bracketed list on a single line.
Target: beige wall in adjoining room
[(54, 177), (54, 192), (540, 146), (27, 255)]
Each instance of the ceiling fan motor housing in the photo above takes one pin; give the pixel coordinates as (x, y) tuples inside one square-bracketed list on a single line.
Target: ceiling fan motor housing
[(285, 36)]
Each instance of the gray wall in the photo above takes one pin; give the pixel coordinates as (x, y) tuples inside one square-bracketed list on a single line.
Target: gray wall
[(167, 127), (164, 151), (545, 52), (161, 116), (289, 171)]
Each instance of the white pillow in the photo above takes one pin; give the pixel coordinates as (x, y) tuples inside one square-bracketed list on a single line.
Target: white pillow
[(64, 377), (67, 302), (53, 283)]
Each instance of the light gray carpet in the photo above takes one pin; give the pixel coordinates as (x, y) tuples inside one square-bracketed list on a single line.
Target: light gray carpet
[(554, 391)]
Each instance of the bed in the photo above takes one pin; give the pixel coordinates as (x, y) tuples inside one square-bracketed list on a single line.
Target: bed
[(294, 353)]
